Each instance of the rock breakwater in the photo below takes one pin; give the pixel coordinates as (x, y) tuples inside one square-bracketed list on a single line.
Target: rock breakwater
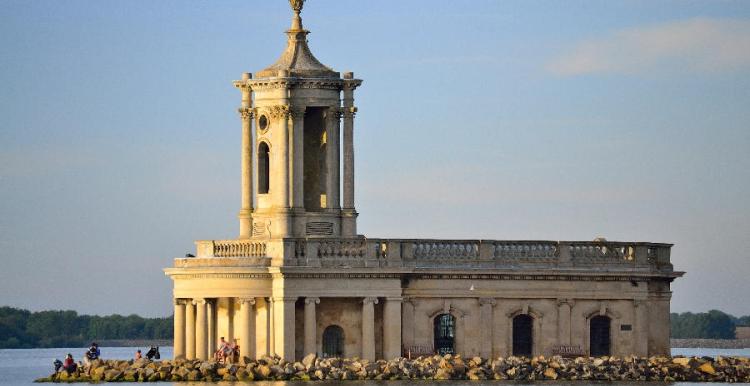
[(447, 367)]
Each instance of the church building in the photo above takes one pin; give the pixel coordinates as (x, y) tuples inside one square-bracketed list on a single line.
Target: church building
[(299, 278)]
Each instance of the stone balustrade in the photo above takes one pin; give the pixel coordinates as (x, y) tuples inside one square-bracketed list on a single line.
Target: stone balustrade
[(430, 253)]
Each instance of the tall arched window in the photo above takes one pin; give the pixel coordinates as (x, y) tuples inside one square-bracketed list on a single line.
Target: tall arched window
[(445, 334), (599, 336), (333, 341), (523, 340), (263, 169)]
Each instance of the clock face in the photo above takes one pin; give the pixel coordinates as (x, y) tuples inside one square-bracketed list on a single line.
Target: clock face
[(263, 123)]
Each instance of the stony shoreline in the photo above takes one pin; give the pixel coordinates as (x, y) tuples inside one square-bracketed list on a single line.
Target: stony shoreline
[(690, 369)]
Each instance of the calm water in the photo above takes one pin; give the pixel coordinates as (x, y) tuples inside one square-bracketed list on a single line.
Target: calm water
[(21, 367)]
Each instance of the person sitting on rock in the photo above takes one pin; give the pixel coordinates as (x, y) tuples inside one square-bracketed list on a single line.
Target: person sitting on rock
[(58, 365), (138, 355), (70, 365), (235, 351), (153, 353), (221, 353)]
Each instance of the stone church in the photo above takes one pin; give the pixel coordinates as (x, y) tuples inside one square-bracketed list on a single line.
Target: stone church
[(300, 279)]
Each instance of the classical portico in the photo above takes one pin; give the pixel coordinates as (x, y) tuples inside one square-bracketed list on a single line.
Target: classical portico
[(299, 279)]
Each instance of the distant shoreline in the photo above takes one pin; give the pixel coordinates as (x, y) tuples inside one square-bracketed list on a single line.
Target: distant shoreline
[(711, 343)]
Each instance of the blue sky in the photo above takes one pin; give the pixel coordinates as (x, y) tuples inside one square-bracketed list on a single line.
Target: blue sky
[(119, 139)]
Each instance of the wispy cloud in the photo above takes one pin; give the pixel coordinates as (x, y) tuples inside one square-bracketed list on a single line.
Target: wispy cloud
[(697, 45)]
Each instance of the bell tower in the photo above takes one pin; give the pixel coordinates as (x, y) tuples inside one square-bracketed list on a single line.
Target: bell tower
[(293, 145)]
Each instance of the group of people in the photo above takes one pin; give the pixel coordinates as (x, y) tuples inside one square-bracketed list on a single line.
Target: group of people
[(70, 365), (227, 352), (153, 353)]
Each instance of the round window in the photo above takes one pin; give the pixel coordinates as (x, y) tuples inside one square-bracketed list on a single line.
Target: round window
[(263, 123)]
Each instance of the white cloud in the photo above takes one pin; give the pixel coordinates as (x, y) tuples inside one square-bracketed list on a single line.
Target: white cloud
[(697, 45)]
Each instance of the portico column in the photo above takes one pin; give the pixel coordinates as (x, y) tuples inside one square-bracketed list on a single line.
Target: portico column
[(201, 329), (392, 328), (247, 327), (211, 317), (563, 321), (298, 157), (190, 330), (246, 114), (485, 317), (179, 329), (283, 313), (368, 328), (332, 158), (311, 326), (263, 319)]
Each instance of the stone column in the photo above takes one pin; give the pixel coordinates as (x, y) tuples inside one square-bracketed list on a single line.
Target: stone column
[(408, 322), (201, 329), (332, 158), (349, 219), (283, 313), (247, 328), (298, 157), (368, 328), (262, 327), (311, 326), (211, 317), (640, 330), (392, 328), (486, 325), (563, 321), (246, 114), (282, 171), (190, 329), (179, 329)]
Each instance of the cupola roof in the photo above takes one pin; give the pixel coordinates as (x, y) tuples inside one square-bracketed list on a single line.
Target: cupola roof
[(297, 60)]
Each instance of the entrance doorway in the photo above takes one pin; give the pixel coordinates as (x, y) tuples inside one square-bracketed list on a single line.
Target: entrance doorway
[(333, 342), (599, 336), (445, 334), (522, 335)]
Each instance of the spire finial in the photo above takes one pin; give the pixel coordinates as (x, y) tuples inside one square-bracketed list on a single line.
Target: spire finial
[(297, 8)]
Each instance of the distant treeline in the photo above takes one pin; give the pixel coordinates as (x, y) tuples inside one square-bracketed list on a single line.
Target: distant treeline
[(706, 325), (24, 329)]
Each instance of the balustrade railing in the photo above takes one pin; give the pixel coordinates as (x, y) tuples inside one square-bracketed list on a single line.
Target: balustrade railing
[(427, 253)]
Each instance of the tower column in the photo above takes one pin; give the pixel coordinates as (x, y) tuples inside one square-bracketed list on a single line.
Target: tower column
[(349, 214), (190, 329), (201, 329), (283, 332), (368, 328), (179, 329), (311, 326), (262, 327), (332, 158), (247, 327), (211, 318), (392, 328), (298, 157), (246, 114)]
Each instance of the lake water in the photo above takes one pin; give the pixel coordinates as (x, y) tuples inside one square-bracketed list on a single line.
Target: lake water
[(21, 367)]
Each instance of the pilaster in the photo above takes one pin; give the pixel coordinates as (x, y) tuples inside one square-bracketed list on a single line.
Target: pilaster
[(310, 342), (368, 328)]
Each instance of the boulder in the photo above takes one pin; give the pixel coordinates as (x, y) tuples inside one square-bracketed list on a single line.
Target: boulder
[(550, 373), (309, 360), (112, 375), (707, 368)]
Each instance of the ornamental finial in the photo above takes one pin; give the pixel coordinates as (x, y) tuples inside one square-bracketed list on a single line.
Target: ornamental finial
[(297, 8)]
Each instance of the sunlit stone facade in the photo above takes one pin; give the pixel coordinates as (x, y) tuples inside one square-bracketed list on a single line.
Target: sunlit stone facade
[(299, 279)]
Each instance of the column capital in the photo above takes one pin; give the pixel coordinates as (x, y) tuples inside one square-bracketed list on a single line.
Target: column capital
[(370, 299), (297, 111), (179, 301), (569, 302), (246, 113), (349, 112), (279, 111), (487, 301), (199, 301), (312, 300), (395, 299), (250, 301)]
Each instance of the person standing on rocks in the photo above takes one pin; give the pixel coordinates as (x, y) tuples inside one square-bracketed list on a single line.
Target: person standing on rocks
[(69, 365)]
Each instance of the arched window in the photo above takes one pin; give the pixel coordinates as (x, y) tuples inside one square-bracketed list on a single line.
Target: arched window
[(523, 340), (445, 334), (599, 336), (333, 341), (263, 169)]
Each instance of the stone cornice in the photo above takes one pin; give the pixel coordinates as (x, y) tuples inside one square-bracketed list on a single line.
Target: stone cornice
[(292, 83)]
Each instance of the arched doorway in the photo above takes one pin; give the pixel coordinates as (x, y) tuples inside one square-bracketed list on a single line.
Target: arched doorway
[(445, 334), (523, 335), (333, 341), (263, 169), (599, 336)]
